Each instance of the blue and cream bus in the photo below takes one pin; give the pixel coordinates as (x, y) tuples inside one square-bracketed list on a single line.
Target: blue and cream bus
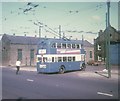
[(60, 55)]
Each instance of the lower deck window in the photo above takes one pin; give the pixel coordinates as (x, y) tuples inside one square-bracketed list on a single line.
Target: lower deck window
[(73, 58), (69, 59), (59, 59), (56, 59), (52, 59), (64, 59)]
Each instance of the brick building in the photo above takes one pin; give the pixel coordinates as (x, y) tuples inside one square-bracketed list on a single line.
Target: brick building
[(19, 47)]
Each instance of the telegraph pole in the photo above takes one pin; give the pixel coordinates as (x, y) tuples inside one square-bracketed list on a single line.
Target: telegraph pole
[(108, 40)]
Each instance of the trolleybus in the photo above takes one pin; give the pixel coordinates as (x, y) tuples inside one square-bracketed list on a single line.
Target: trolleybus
[(60, 55)]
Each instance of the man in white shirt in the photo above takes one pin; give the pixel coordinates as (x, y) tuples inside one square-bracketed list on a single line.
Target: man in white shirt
[(18, 66)]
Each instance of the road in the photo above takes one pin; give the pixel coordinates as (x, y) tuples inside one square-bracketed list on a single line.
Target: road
[(71, 85)]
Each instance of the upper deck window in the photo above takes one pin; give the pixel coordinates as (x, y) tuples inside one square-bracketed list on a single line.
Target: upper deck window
[(54, 45), (77, 46), (59, 59), (73, 45), (63, 45), (58, 45), (68, 45)]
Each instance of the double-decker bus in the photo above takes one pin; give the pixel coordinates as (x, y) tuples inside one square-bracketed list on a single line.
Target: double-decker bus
[(60, 55)]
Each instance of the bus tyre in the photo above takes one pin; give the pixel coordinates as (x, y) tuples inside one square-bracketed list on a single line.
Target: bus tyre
[(62, 70), (83, 67)]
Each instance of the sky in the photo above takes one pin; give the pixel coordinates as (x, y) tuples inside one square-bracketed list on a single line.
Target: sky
[(76, 18)]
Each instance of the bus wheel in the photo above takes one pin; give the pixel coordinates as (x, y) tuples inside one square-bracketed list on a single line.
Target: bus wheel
[(62, 70), (83, 67)]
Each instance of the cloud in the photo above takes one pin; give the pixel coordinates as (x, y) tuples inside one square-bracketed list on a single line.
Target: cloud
[(96, 17)]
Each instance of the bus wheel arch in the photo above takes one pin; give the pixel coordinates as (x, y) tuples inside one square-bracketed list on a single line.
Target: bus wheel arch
[(83, 66), (62, 69)]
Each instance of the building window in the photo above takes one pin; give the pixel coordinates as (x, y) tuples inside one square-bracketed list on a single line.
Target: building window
[(99, 47), (32, 53), (99, 58), (90, 54), (20, 54)]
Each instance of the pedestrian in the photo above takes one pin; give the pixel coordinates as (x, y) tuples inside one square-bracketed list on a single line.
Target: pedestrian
[(18, 62)]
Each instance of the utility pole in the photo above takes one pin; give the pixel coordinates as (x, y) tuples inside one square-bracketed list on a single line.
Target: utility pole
[(106, 20), (108, 40), (40, 27)]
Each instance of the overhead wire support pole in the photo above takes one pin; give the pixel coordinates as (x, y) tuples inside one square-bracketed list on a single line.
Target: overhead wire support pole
[(108, 41), (40, 28)]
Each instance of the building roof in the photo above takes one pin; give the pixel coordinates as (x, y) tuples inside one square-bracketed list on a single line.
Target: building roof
[(31, 40), (87, 44), (21, 39)]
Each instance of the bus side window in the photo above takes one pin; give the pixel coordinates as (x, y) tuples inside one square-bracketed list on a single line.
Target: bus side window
[(73, 45), (44, 59), (68, 45), (74, 58), (69, 59), (56, 59), (64, 59), (59, 59), (52, 59), (77, 46), (58, 45), (63, 45), (39, 59)]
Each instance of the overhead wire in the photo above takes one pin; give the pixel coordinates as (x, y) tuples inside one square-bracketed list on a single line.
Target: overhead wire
[(76, 12)]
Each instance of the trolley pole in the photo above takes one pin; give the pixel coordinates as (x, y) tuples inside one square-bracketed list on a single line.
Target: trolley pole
[(40, 28), (108, 41)]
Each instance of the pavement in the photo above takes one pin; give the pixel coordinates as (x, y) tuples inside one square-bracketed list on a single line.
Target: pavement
[(90, 70), (22, 68)]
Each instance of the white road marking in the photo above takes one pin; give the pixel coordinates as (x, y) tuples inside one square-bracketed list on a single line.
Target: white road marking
[(30, 80), (104, 94)]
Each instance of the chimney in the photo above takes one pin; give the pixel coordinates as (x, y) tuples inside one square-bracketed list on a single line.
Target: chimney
[(100, 32)]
